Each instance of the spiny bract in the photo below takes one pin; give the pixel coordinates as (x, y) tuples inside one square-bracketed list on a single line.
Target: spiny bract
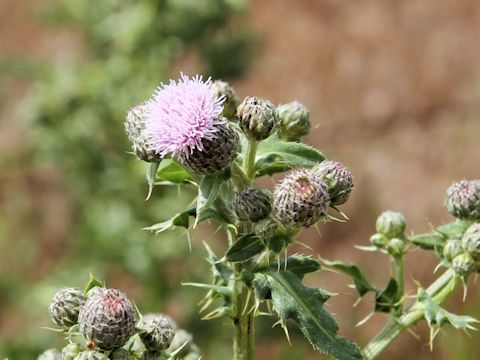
[(156, 333), (252, 204), (339, 180), (65, 306), (257, 117)]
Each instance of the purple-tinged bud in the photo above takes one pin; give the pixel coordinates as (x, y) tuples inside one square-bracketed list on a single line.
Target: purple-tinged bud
[(462, 200), (91, 355), (223, 89), (257, 117), (253, 204), (71, 351), (50, 354), (216, 153), (452, 249), (339, 180), (107, 319), (266, 229), (294, 121), (134, 127), (65, 306), (471, 240), (391, 224), (156, 333), (463, 264), (300, 199), (379, 240)]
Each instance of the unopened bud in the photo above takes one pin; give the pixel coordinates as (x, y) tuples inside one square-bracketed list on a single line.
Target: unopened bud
[(471, 240), (452, 249), (379, 240), (257, 117), (222, 88), (463, 264), (294, 121), (338, 178), (66, 305), (253, 204), (156, 333), (70, 351), (462, 200), (391, 224), (396, 247), (266, 228)]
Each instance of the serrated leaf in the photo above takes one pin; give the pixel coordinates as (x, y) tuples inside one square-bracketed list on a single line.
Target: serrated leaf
[(93, 282), (299, 265), (180, 219), (172, 171), (221, 272), (244, 248), (208, 190), (292, 300), (453, 230), (151, 175), (275, 155), (428, 241), (388, 298), (359, 280)]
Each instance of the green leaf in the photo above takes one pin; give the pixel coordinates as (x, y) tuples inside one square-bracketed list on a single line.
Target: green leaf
[(359, 280), (299, 265), (151, 174), (180, 219), (275, 155), (388, 298), (172, 171), (453, 230), (428, 241), (93, 282), (221, 272), (292, 300), (278, 243), (244, 248), (208, 190)]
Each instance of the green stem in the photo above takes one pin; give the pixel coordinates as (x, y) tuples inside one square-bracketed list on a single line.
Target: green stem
[(249, 161), (238, 178), (440, 290), (399, 276)]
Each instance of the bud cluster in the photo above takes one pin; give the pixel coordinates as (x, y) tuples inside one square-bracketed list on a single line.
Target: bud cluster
[(390, 233), (464, 255)]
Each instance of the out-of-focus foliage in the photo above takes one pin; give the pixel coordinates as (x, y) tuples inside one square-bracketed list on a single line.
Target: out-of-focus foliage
[(76, 113)]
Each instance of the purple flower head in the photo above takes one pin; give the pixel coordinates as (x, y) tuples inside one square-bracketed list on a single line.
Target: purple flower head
[(181, 115)]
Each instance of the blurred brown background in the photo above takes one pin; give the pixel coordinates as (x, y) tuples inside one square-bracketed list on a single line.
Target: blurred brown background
[(394, 93)]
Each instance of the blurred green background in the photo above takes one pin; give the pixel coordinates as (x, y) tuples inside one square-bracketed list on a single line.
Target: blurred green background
[(393, 91)]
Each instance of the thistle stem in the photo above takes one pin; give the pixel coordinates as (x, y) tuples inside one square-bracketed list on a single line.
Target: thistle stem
[(440, 290), (249, 161), (399, 276)]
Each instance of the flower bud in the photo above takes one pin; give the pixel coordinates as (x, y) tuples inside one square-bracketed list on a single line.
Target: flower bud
[(266, 228), (294, 121), (257, 117), (391, 224), (107, 319), (338, 178), (396, 247), (70, 351), (120, 354), (134, 127), (379, 240), (452, 249), (50, 354), (471, 240), (65, 306), (252, 204), (462, 200), (300, 199), (91, 355), (222, 88), (215, 154), (463, 264), (156, 333)]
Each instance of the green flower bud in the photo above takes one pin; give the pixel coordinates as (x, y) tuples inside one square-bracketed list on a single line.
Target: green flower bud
[(222, 88), (107, 319), (120, 354), (91, 355), (338, 178), (266, 228), (65, 306), (156, 333), (471, 240), (50, 354), (70, 351), (257, 117), (452, 249), (396, 247), (217, 153), (391, 224), (462, 200), (252, 204), (379, 240), (294, 121), (134, 126), (463, 264), (300, 199)]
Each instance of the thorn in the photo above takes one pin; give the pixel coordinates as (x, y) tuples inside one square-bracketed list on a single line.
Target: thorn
[(414, 334), (364, 320)]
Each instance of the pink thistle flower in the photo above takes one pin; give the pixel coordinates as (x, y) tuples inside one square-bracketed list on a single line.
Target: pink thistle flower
[(181, 115)]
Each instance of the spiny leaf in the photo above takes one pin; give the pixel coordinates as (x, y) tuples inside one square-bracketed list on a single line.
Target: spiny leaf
[(275, 155), (221, 272), (361, 283), (151, 175), (293, 300), (453, 230), (208, 190), (299, 265), (180, 219), (244, 248), (428, 241), (388, 298)]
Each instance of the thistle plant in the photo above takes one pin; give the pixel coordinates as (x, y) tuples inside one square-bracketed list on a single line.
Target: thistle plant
[(194, 142)]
